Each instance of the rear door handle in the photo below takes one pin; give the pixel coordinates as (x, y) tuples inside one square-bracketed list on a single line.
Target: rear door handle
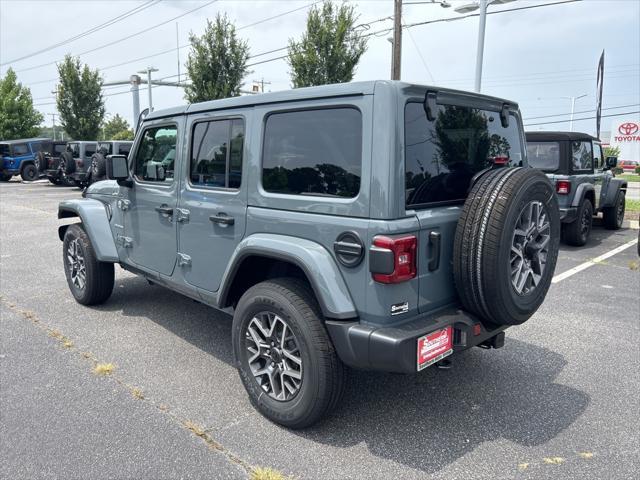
[(164, 210), (434, 244), (222, 219)]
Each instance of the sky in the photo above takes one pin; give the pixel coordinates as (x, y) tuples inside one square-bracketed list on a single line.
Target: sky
[(538, 57)]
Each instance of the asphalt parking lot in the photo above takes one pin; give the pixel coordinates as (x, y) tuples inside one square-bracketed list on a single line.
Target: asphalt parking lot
[(560, 400)]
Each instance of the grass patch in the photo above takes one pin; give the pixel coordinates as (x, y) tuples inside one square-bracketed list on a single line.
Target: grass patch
[(104, 368), (137, 393), (632, 205), (630, 178), (261, 473)]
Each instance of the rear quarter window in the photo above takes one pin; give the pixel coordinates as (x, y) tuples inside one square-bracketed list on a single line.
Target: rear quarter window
[(313, 152), (442, 156), (544, 155)]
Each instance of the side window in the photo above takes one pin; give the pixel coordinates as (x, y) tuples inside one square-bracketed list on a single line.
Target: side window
[(124, 150), (156, 155), (89, 149), (58, 149), (74, 148), (20, 149), (598, 157), (582, 155), (36, 147), (313, 152), (216, 153)]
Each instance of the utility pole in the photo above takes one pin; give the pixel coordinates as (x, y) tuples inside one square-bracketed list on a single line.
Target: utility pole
[(262, 83), (135, 93), (178, 51), (397, 40), (53, 119)]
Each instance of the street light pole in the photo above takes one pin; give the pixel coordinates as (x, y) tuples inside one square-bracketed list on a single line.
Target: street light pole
[(573, 106), (148, 72), (480, 50)]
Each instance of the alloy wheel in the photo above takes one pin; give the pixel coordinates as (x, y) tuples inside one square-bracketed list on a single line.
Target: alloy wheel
[(76, 264), (529, 248), (274, 356)]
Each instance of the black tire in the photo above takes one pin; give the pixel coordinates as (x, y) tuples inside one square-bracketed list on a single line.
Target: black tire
[(614, 216), (40, 161), (5, 177), (98, 276), (29, 172), (322, 373), (484, 265), (67, 163), (577, 232), (98, 166)]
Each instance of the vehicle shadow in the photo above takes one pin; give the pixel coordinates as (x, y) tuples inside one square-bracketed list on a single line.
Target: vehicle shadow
[(424, 421), (599, 235)]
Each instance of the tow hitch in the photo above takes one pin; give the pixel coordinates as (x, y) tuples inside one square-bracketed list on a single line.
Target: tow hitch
[(497, 341)]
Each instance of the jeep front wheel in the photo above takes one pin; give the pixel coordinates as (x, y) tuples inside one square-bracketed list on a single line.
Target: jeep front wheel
[(283, 353), (90, 281), (29, 173), (577, 232), (614, 216), (506, 245)]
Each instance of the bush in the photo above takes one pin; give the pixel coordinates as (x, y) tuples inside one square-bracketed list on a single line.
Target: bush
[(638, 170), (618, 171)]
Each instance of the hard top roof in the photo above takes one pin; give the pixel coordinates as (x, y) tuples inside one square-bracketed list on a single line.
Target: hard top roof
[(558, 136), (307, 93), (25, 140)]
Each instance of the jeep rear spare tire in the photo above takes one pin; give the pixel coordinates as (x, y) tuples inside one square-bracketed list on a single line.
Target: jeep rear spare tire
[(98, 167), (67, 163), (506, 245)]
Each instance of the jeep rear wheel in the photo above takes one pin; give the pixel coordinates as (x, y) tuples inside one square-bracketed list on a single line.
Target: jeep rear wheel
[(614, 216), (90, 281), (506, 245), (577, 232), (283, 353)]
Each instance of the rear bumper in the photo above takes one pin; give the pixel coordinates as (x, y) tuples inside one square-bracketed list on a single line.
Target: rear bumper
[(394, 348), (568, 215)]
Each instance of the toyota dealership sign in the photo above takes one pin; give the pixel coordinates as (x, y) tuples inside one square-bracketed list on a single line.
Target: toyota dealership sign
[(625, 134)]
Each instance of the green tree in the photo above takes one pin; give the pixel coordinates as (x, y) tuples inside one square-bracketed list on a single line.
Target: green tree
[(329, 50), (217, 62), (117, 128), (79, 99), (18, 118)]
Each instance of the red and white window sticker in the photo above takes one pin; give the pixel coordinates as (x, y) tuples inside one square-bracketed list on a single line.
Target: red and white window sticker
[(434, 347)]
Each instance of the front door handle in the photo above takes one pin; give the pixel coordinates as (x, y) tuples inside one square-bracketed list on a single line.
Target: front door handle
[(222, 219), (164, 210)]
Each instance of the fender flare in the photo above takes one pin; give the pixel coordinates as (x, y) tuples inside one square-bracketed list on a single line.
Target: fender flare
[(615, 185), (312, 258), (581, 191), (95, 221)]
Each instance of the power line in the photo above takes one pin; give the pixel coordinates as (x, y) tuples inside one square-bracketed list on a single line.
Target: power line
[(584, 118), (583, 111), (97, 28), (123, 38)]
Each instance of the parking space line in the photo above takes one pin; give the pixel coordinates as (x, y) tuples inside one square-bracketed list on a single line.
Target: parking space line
[(594, 261)]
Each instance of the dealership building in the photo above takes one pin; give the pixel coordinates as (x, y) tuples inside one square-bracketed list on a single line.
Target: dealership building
[(624, 134)]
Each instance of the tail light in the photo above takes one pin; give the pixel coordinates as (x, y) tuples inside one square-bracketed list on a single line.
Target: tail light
[(563, 187), (393, 259), (500, 160), (79, 162)]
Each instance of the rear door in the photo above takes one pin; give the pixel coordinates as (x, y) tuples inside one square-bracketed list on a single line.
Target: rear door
[(441, 158), (213, 197)]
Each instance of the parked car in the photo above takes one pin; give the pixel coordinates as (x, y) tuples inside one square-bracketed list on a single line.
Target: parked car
[(628, 165), (75, 162), (380, 225), (18, 157), (112, 147), (583, 180), (49, 164)]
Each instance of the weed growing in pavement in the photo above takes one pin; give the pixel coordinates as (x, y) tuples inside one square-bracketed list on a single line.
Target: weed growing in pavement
[(553, 460), (195, 428), (261, 473), (104, 368), (137, 393)]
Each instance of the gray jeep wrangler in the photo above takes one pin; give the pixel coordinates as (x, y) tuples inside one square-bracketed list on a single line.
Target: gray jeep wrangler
[(583, 180), (378, 225)]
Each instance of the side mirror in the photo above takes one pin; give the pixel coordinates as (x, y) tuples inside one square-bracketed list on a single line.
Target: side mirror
[(118, 169), (612, 162)]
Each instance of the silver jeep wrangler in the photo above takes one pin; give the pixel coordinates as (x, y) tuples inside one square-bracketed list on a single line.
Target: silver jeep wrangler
[(377, 225)]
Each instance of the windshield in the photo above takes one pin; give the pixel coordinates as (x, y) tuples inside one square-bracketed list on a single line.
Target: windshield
[(544, 155), (442, 156)]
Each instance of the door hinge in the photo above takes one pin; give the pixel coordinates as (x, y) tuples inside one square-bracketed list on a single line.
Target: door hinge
[(125, 242), (183, 260), (181, 215), (124, 204)]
